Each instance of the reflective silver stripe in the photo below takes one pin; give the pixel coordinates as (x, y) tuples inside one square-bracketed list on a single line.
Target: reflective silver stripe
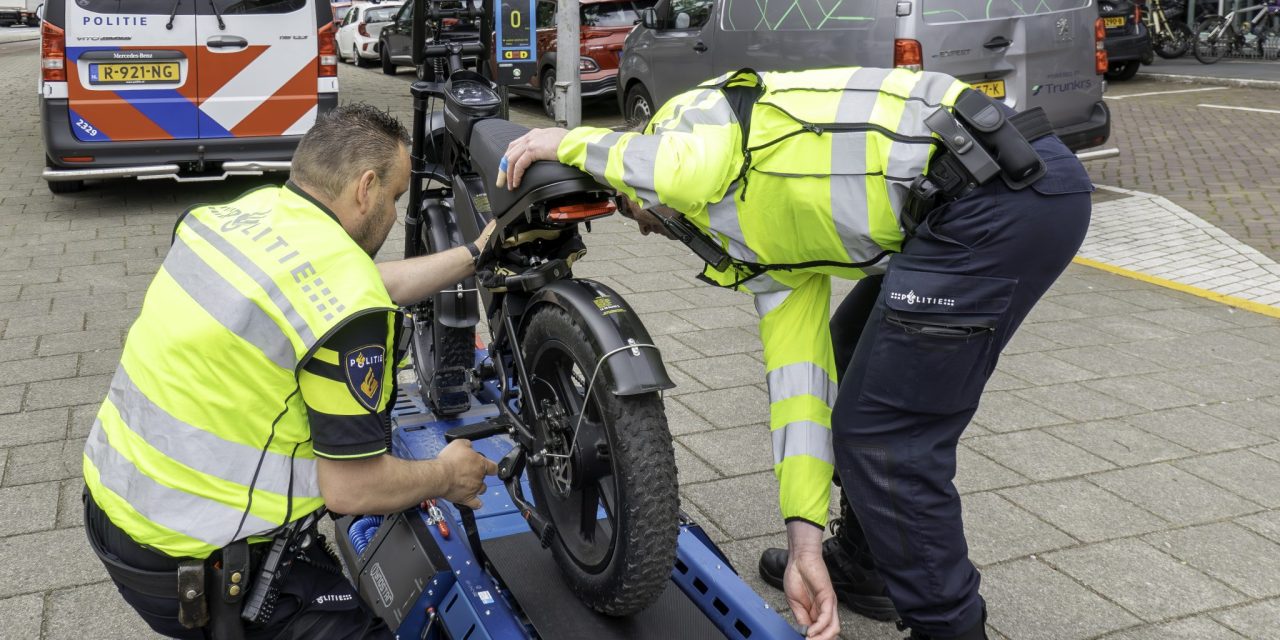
[(677, 123), (686, 117), (598, 154), (927, 95), (907, 161), (723, 219), (770, 300), (765, 284), (254, 271), (206, 452), (228, 305), (208, 521), (801, 378), (639, 165), (849, 166), (803, 438)]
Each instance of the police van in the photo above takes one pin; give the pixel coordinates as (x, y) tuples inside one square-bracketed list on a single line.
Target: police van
[(181, 89)]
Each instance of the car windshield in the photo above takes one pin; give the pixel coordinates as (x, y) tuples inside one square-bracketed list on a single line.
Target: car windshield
[(381, 14), (613, 14)]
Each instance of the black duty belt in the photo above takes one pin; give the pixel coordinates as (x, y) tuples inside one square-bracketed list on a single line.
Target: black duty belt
[(963, 162), (228, 575), (951, 177)]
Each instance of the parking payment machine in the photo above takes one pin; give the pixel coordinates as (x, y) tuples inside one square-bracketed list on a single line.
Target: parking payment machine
[(517, 50)]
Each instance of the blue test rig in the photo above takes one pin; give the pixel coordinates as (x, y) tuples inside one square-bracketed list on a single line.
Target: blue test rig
[(418, 571)]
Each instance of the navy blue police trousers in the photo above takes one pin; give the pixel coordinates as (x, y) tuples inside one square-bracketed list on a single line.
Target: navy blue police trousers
[(920, 344)]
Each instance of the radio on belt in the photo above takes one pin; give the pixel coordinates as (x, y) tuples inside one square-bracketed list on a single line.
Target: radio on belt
[(517, 49)]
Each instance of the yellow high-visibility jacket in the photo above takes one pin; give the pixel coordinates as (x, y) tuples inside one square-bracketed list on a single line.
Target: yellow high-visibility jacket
[(204, 436), (810, 195)]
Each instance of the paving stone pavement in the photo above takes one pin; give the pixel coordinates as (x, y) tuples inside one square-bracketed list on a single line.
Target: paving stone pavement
[(1119, 480), (1219, 164)]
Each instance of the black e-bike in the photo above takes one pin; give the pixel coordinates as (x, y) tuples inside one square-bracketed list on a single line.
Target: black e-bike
[(579, 381)]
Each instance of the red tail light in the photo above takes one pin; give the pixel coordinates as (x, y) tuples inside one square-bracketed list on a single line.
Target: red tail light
[(1099, 48), (1137, 14), (449, 22), (328, 50), (53, 53), (580, 212), (907, 55), (364, 32)]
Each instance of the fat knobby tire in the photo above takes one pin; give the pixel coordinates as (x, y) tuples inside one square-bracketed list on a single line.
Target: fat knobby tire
[(647, 502)]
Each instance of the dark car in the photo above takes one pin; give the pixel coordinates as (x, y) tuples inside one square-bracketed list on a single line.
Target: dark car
[(1128, 43), (604, 25), (395, 46)]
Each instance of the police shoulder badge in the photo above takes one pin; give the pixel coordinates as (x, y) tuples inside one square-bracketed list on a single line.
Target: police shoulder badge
[(363, 367)]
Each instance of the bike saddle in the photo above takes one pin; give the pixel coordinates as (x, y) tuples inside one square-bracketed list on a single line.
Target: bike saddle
[(489, 142)]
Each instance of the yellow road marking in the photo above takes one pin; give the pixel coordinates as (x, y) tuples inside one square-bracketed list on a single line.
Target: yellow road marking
[(1240, 303)]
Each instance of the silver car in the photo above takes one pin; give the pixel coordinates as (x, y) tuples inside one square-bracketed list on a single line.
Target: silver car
[(1045, 53)]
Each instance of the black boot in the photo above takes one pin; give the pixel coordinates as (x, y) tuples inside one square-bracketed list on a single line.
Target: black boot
[(853, 572)]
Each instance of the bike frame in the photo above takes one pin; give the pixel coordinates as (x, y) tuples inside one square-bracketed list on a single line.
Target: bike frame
[(1266, 11), (454, 213)]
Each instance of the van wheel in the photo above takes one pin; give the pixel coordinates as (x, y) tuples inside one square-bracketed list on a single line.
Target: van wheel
[(388, 67), (1123, 70), (549, 93), (65, 186), (639, 106)]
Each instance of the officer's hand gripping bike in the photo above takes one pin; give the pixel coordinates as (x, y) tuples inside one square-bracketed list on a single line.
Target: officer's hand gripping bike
[(571, 369)]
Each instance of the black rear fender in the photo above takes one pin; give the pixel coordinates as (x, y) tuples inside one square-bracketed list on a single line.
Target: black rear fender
[(614, 326)]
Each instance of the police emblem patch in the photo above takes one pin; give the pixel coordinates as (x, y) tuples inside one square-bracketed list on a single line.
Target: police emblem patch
[(364, 367)]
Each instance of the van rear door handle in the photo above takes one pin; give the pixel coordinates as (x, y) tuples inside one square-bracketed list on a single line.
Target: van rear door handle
[(226, 42), (700, 47), (998, 42)]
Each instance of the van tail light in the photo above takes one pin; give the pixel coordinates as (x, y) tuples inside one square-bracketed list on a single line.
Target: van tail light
[(53, 53), (907, 55), (1099, 48), (1137, 14), (363, 31), (580, 212), (328, 49)]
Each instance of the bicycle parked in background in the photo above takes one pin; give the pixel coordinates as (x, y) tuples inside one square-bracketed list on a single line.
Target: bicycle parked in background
[(1216, 36), (1169, 39)]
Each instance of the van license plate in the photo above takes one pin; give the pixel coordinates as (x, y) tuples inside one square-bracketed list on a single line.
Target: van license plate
[(1112, 23), (993, 88), (134, 73)]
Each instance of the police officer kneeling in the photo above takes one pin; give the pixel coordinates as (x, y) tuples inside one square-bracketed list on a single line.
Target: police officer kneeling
[(252, 394), (953, 213)]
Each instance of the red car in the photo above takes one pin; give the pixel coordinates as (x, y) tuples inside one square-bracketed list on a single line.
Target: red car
[(605, 24)]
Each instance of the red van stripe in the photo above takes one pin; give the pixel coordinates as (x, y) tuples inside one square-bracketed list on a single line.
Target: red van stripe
[(217, 69), (118, 119), (284, 108)]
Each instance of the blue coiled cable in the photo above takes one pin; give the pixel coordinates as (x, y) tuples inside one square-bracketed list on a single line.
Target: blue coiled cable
[(362, 531)]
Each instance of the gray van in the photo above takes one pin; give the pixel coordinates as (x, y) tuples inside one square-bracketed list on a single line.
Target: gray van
[(1029, 53)]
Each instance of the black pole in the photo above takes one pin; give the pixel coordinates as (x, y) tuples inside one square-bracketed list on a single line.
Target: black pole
[(417, 164)]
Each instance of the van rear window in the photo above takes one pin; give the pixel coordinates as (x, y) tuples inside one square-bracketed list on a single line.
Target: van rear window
[(798, 15), (127, 7), (939, 11), (257, 7)]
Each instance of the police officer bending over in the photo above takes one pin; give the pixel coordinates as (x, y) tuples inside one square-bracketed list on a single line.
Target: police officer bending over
[(253, 391), (782, 181)]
